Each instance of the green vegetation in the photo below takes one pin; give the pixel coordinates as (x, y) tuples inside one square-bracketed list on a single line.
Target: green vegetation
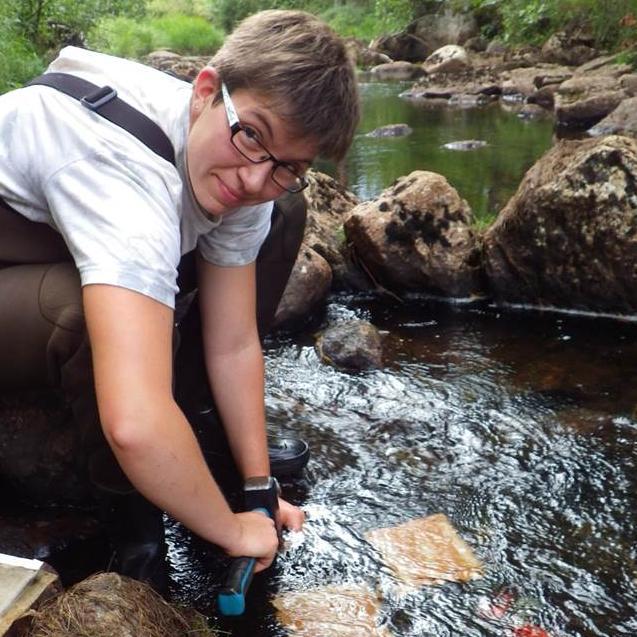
[(127, 37), (613, 23)]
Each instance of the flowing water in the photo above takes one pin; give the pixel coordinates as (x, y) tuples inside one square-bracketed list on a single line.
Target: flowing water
[(517, 425)]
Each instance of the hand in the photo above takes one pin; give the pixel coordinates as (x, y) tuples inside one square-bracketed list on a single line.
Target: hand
[(291, 517), (257, 538)]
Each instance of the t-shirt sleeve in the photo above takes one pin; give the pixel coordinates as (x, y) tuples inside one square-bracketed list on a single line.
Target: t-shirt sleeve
[(238, 238), (120, 223)]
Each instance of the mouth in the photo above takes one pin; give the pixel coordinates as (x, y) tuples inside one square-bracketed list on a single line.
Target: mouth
[(229, 197)]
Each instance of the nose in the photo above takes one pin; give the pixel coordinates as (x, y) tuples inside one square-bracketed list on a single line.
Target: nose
[(255, 178)]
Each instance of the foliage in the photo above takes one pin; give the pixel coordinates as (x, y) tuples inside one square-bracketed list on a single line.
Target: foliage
[(50, 23), (613, 23), (20, 62), (190, 35), (184, 34)]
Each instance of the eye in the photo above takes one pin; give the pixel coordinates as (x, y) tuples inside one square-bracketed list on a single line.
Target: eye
[(252, 135)]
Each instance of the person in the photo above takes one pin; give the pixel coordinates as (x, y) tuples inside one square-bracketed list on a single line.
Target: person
[(94, 225)]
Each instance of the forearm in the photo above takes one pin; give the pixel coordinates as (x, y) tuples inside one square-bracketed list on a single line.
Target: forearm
[(161, 457), (236, 379)]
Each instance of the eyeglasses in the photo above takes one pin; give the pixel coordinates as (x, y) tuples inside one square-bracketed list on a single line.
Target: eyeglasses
[(246, 140)]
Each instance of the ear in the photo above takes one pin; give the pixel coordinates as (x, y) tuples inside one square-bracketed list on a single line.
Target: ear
[(206, 85)]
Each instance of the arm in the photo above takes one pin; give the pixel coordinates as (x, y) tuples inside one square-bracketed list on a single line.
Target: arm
[(131, 341), (234, 361)]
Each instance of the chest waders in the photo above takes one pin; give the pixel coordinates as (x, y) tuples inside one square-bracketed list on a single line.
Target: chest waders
[(44, 344)]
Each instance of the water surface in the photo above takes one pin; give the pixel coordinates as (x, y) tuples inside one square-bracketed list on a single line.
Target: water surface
[(485, 177), (519, 427)]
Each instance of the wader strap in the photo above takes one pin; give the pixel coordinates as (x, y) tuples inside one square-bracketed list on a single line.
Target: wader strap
[(104, 101)]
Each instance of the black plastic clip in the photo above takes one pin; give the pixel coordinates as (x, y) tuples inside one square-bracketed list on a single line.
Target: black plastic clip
[(97, 99)]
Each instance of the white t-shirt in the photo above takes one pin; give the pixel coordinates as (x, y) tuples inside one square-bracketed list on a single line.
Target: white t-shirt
[(126, 214)]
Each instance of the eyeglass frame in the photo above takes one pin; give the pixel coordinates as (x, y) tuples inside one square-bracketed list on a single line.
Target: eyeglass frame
[(235, 126)]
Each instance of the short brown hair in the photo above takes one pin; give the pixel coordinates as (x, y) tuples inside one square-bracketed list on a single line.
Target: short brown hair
[(299, 63)]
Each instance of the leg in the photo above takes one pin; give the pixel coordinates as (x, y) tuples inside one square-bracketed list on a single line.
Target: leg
[(43, 343)]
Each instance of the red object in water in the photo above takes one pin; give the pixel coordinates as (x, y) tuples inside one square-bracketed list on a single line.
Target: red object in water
[(501, 604), (527, 630)]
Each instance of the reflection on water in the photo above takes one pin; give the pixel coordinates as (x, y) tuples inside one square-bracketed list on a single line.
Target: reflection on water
[(485, 177), (520, 428)]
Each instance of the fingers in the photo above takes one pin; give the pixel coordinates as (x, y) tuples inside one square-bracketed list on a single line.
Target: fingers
[(291, 517)]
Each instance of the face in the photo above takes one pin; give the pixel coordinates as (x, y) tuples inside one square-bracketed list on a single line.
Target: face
[(222, 179)]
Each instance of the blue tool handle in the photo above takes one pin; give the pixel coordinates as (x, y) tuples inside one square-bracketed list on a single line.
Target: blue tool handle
[(231, 599)]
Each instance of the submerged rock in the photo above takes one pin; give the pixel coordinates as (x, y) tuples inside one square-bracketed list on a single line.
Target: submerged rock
[(568, 237), (417, 237), (391, 130), (466, 144), (349, 610), (426, 551), (351, 345)]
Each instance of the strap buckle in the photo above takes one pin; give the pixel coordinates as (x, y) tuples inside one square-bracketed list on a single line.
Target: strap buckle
[(95, 100)]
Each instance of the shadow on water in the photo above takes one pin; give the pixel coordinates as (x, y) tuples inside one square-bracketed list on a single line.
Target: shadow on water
[(520, 427)]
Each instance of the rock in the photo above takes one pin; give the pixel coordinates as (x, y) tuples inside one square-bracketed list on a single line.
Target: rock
[(308, 285), (524, 82), (568, 237), (426, 551), (476, 44), (397, 71), (108, 604), (328, 206), (496, 48), (349, 610), (402, 46), (463, 100), (391, 130), (363, 56), (449, 59), (417, 237), (354, 345), (544, 97), (185, 67), (440, 29), (532, 111), (571, 48), (621, 121), (606, 64), (466, 144), (629, 83), (583, 101)]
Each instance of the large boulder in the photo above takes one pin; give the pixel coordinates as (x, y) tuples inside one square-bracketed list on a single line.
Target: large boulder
[(584, 100), (621, 121), (444, 28), (402, 46), (328, 206), (568, 237), (308, 286), (449, 59), (572, 47), (417, 237)]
